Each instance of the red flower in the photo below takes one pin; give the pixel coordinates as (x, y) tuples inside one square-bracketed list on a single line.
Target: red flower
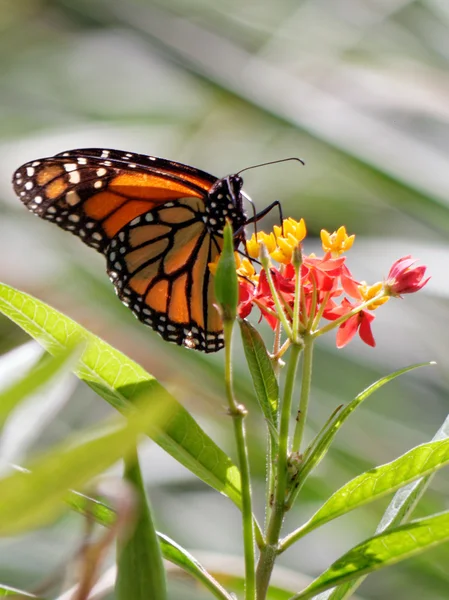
[(402, 279), (360, 322), (246, 295)]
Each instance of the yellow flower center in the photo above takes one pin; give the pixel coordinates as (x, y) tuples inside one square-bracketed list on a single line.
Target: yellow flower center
[(371, 291), (337, 242), (288, 237)]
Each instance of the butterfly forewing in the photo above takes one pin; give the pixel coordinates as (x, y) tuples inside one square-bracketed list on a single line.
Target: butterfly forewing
[(158, 222), (94, 193)]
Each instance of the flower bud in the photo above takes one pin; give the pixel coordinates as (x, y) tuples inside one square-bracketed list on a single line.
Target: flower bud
[(403, 279)]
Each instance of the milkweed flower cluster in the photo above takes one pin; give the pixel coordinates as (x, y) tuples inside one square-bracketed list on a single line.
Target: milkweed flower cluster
[(293, 288)]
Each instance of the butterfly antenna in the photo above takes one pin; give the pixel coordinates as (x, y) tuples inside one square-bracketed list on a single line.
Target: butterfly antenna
[(272, 162)]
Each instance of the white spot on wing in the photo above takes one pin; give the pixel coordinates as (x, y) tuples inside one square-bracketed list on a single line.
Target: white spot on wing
[(74, 177)]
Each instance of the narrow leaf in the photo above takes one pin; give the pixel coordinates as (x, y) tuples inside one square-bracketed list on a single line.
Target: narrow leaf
[(171, 551), (320, 445), (381, 551), (68, 465), (261, 369), (404, 501), (179, 556), (9, 592), (93, 508), (120, 381), (398, 511), (374, 484), (140, 570)]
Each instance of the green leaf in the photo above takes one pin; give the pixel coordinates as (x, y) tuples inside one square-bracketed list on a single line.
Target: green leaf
[(171, 551), (39, 376), (404, 501), (262, 373), (318, 448), (140, 570), (34, 497), (93, 508), (381, 551), (226, 284), (398, 511), (179, 556), (9, 592), (374, 484), (120, 381)]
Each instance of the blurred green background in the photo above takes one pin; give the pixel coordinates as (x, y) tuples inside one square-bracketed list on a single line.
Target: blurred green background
[(360, 90)]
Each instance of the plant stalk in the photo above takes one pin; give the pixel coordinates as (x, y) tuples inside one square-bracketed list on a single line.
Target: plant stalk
[(306, 382), (269, 552), (238, 413)]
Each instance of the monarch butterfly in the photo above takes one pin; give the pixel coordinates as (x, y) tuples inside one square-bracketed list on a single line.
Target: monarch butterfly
[(159, 224)]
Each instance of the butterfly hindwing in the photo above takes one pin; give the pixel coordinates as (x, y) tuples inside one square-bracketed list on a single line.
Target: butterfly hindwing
[(160, 271)]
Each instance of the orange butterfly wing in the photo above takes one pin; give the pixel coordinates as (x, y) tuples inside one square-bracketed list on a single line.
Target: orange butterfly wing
[(93, 193), (149, 217)]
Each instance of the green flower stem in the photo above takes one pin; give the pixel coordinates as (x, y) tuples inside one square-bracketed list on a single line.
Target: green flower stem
[(264, 259), (269, 552), (351, 313), (306, 381), (312, 308), (276, 347), (321, 310), (298, 293), (271, 447), (238, 413)]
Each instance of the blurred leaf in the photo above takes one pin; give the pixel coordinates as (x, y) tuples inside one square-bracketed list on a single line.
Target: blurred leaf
[(399, 509), (95, 509), (140, 570), (40, 375), (6, 591), (120, 381), (320, 445), (171, 551), (179, 556), (31, 499), (418, 462), (261, 369), (381, 551)]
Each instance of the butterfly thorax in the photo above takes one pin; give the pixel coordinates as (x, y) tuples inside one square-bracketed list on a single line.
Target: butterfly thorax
[(225, 203)]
